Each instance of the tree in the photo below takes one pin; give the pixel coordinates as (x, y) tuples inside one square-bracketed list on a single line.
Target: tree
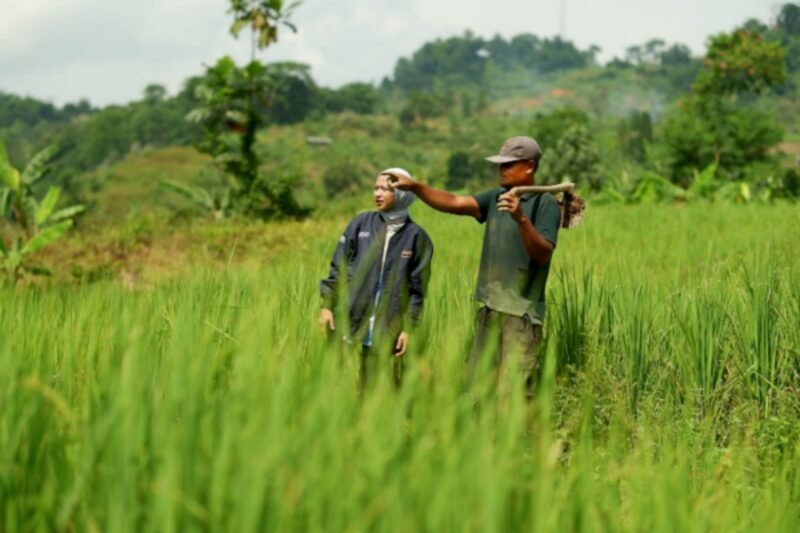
[(558, 54), (548, 129), (618, 64), (789, 19), (444, 63), (787, 30), (675, 55), (361, 98), (464, 168), (459, 170), (234, 102), (714, 124), (634, 133), (292, 93), (653, 49), (154, 93), (468, 62), (345, 175), (634, 55), (264, 17), (702, 132), (573, 159), (523, 48), (423, 105), (740, 62), (755, 26)]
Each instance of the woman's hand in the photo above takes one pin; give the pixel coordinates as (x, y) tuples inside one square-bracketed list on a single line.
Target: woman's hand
[(401, 345), (326, 320)]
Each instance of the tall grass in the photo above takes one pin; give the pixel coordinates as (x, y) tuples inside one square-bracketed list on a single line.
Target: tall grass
[(707, 347), (212, 403)]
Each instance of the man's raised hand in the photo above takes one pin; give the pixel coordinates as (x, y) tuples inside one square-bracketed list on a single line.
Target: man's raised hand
[(398, 181), (510, 203)]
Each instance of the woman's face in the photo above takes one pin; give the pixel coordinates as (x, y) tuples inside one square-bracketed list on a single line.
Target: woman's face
[(384, 196)]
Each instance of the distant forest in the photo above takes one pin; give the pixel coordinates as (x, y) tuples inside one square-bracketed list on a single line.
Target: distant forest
[(468, 71)]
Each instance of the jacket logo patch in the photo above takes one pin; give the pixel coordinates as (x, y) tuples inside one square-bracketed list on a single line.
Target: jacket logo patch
[(363, 234), (406, 253)]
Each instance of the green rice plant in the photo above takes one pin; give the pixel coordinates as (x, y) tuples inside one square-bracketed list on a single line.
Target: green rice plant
[(789, 312), (707, 336), (761, 357), (573, 305), (608, 315), (212, 403), (635, 347)]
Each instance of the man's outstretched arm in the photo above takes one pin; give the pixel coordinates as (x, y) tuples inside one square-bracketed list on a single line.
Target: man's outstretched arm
[(447, 202)]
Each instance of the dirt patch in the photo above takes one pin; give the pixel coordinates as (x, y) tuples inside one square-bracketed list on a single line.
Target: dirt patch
[(541, 99), (558, 92), (790, 148), (143, 255), (536, 101)]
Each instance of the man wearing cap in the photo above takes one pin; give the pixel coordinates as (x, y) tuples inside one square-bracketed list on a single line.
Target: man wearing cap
[(518, 243)]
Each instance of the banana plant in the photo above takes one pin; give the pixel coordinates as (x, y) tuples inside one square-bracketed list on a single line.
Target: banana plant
[(218, 203), (34, 223), (705, 184), (653, 188)]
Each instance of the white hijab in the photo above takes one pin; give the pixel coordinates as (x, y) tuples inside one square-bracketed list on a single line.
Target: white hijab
[(402, 199)]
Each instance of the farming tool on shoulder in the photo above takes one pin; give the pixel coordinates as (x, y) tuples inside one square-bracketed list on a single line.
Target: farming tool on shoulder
[(572, 205)]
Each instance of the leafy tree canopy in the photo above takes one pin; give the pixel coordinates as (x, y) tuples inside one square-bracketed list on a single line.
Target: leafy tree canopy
[(741, 61)]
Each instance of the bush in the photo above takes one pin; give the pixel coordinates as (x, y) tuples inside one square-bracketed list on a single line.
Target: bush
[(344, 177), (791, 182), (548, 129), (634, 133), (423, 105), (464, 168), (276, 196), (360, 98), (574, 159), (699, 133)]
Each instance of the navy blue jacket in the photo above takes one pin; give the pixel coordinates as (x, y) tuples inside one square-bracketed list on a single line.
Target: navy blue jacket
[(357, 260)]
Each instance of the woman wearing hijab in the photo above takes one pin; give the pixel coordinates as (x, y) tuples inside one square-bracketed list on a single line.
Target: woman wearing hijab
[(384, 260)]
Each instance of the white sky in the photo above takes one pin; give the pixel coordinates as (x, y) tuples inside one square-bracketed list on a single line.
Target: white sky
[(108, 50)]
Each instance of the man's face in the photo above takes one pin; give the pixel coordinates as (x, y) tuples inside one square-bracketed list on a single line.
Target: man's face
[(384, 196), (516, 173)]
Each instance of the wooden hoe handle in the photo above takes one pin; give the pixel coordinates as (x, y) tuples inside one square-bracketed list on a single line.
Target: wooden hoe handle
[(566, 187)]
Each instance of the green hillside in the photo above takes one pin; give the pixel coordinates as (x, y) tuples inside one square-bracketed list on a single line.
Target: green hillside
[(638, 129), (459, 94)]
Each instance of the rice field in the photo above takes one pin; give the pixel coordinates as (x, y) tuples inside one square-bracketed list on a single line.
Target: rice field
[(668, 401)]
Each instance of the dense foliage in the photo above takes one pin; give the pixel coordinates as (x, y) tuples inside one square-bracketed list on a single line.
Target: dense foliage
[(717, 122), (655, 111), (447, 64)]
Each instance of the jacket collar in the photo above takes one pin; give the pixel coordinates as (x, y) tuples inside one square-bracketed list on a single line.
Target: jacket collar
[(404, 220)]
